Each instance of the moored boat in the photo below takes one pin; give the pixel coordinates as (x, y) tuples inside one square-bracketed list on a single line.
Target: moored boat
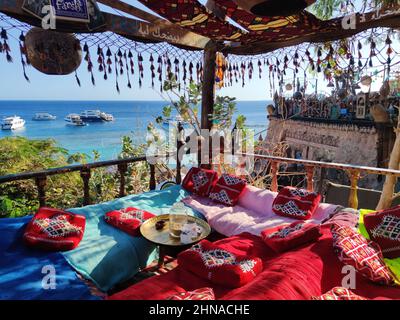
[(74, 119), (106, 116), (12, 123), (43, 116), (91, 116)]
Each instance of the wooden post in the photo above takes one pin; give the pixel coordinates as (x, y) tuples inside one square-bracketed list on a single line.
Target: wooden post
[(41, 184), (310, 178), (274, 173), (208, 89), (179, 145), (152, 185), (122, 168), (353, 198), (85, 175)]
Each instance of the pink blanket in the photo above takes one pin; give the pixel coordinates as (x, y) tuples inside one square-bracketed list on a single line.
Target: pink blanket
[(231, 221)]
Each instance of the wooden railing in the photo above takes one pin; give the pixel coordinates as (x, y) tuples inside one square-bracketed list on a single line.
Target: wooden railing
[(353, 171), (40, 177)]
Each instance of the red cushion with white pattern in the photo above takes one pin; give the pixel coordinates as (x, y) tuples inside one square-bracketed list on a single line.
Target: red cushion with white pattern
[(339, 293), (296, 203), (384, 228), (218, 265), (128, 220), (198, 294), (227, 189), (365, 256), (200, 181), (285, 238), (54, 230)]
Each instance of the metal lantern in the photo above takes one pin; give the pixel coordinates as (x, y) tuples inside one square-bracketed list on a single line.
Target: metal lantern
[(271, 8), (53, 53)]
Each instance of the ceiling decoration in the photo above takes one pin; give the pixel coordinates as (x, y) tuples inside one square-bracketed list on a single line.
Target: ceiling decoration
[(271, 8)]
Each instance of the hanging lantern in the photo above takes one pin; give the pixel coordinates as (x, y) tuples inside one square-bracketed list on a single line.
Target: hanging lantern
[(366, 81), (53, 52), (271, 8)]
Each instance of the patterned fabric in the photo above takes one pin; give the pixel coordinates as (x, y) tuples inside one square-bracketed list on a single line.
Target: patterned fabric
[(339, 293), (285, 238), (296, 203), (227, 189), (198, 294), (219, 265), (191, 14), (365, 256), (383, 227), (200, 181), (56, 230), (128, 220)]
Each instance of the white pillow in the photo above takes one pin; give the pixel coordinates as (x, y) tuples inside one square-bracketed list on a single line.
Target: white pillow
[(257, 200)]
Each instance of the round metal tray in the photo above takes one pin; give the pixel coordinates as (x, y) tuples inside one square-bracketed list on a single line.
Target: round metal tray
[(162, 237)]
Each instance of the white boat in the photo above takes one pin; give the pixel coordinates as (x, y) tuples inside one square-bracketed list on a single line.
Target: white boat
[(74, 119), (43, 116), (177, 118), (91, 116), (106, 116), (12, 123)]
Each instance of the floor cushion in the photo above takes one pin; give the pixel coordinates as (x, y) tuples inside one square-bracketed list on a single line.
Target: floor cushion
[(219, 265), (200, 181), (198, 294), (296, 203), (227, 189), (285, 238), (383, 227), (364, 255), (339, 293), (128, 219), (54, 230)]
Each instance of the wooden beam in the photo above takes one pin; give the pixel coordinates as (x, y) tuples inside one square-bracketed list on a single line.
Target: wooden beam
[(159, 27), (130, 28), (208, 88), (363, 22)]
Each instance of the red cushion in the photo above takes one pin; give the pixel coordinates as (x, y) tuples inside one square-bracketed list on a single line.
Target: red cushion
[(384, 228), (227, 189), (128, 220), (296, 203), (200, 181), (339, 293), (55, 230), (285, 238), (198, 294), (218, 265), (365, 256)]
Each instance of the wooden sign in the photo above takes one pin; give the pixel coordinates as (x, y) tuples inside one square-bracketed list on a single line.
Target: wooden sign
[(73, 10)]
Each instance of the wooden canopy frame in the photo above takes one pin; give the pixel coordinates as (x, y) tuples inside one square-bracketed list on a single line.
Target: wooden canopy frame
[(154, 29)]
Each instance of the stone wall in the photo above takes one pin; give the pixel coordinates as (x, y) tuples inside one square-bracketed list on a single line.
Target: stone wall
[(341, 143)]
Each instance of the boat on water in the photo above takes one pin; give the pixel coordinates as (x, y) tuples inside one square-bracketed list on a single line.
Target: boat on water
[(106, 116), (74, 119), (177, 118), (91, 116), (43, 116), (12, 123)]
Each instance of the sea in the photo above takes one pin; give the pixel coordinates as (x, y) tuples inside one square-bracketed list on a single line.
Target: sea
[(131, 119)]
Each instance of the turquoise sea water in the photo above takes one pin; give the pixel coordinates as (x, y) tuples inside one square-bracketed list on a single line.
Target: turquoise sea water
[(131, 118)]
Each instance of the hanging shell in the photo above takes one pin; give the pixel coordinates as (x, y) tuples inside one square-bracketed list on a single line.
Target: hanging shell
[(289, 87), (384, 91), (52, 52), (379, 113)]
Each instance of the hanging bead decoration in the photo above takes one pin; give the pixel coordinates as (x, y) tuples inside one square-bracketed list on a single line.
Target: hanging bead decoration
[(116, 73), (4, 47), (22, 50), (89, 63), (120, 62), (129, 85), (389, 51), (152, 70), (140, 67), (159, 71), (109, 62), (190, 72)]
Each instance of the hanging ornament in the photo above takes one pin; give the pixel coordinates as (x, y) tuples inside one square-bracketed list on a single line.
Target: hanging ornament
[(52, 52), (116, 73), (140, 67), (4, 46), (129, 85), (289, 87), (22, 50), (109, 61)]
